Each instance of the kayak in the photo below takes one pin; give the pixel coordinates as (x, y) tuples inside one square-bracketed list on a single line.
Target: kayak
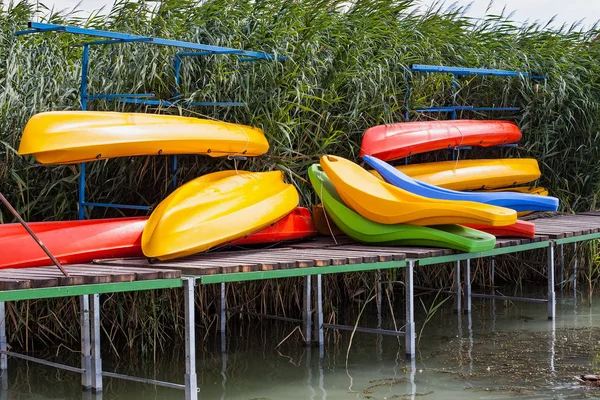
[(71, 242), (215, 209), (540, 191), (67, 137), (524, 229), (515, 201), (475, 174), (366, 231), (384, 203), (390, 142), (297, 225)]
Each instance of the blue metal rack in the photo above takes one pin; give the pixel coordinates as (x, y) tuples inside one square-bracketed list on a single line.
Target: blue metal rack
[(457, 72), (110, 37)]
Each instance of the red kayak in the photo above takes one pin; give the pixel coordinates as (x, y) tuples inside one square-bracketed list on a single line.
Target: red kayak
[(71, 242), (296, 225), (522, 229), (390, 142)]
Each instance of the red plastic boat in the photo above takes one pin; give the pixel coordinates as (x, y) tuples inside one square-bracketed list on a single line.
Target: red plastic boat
[(296, 225), (71, 242), (390, 142), (523, 229)]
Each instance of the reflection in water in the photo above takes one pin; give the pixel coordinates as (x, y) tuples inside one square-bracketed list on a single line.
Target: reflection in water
[(514, 353)]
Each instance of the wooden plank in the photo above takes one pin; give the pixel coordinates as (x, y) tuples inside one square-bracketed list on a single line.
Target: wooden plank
[(62, 280), (14, 284)]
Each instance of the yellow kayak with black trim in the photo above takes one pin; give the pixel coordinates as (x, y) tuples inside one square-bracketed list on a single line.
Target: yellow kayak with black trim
[(68, 137), (215, 209), (381, 202), (474, 174)]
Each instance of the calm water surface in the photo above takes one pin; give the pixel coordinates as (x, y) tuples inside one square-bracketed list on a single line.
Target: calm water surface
[(499, 353)]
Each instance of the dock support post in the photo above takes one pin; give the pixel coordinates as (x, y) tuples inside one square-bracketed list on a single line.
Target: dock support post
[(561, 276), (318, 321), (379, 299), (86, 349), (191, 380), (307, 311), (551, 294), (493, 267), (457, 287), (96, 357), (468, 287), (409, 328), (3, 344), (223, 309), (575, 267)]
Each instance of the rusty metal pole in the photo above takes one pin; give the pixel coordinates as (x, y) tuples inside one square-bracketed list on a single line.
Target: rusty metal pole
[(33, 235)]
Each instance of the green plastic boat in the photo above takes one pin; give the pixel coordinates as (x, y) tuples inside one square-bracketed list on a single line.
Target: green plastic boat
[(363, 230)]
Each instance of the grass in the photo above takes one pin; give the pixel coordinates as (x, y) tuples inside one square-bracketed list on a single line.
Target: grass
[(346, 72)]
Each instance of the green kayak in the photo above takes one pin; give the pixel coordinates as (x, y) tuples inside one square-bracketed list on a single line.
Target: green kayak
[(363, 230)]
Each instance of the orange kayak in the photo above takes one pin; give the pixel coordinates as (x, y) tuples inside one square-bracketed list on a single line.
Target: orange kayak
[(296, 225), (390, 142), (71, 242)]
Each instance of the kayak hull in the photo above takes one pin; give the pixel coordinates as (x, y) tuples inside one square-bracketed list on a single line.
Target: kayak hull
[(340, 216), (521, 229), (475, 174), (216, 209), (297, 225), (67, 137), (519, 202), (71, 242), (381, 202), (390, 142)]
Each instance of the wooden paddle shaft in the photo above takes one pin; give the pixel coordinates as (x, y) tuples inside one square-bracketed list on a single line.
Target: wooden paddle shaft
[(33, 235)]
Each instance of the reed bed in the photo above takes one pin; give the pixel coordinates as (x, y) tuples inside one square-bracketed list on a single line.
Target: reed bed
[(346, 71)]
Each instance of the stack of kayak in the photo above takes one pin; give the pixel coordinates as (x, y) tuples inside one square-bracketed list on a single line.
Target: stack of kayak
[(462, 205), (224, 208)]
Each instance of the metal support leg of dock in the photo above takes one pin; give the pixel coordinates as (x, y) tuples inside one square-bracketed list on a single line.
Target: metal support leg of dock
[(96, 358), (551, 294), (457, 288), (86, 347), (318, 314), (575, 271), (191, 380), (223, 309), (3, 343), (467, 294), (409, 328), (561, 276), (307, 311)]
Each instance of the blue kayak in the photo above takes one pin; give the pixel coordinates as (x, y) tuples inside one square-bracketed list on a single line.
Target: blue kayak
[(516, 201)]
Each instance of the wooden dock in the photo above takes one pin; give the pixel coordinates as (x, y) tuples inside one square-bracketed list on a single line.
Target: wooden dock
[(309, 259)]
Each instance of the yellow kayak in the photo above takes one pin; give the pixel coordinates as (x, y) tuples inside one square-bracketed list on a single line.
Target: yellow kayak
[(474, 174), (522, 189), (381, 202), (67, 137), (216, 209)]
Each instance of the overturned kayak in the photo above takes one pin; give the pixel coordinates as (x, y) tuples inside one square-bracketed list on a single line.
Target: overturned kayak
[(67, 137), (297, 225), (390, 142), (515, 201), (71, 242), (521, 229), (363, 230), (384, 203), (215, 209), (475, 174)]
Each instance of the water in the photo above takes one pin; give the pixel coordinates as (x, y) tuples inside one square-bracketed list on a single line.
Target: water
[(498, 353)]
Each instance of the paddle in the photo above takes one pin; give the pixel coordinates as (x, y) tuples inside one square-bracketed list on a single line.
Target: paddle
[(33, 235)]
